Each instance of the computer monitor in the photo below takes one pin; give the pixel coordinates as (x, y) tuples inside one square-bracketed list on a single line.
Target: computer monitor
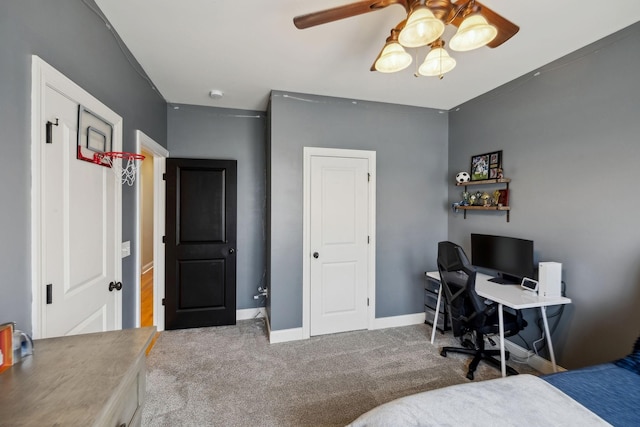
[(512, 258)]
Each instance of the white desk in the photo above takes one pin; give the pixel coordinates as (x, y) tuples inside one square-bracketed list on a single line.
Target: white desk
[(511, 296)]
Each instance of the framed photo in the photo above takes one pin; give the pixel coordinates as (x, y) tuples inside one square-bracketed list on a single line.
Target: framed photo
[(486, 166), (480, 167)]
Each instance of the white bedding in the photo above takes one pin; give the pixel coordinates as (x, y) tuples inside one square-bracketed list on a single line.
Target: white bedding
[(519, 400)]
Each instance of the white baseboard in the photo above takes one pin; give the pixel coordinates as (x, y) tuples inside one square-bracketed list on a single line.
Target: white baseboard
[(295, 334), (250, 313), (398, 321), (285, 335), (538, 363)]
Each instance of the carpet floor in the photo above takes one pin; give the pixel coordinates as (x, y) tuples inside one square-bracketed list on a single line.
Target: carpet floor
[(232, 376)]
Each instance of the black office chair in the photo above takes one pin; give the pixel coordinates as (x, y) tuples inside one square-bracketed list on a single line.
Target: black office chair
[(469, 312)]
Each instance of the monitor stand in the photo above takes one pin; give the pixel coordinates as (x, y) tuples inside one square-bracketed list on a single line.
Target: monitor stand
[(505, 279)]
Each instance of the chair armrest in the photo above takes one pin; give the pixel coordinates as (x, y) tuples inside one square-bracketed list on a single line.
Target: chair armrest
[(491, 309)]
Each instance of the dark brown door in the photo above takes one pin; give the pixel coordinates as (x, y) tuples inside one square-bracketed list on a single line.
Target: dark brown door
[(200, 286)]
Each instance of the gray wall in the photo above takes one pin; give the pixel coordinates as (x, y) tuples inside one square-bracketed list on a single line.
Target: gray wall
[(411, 147), (217, 133), (71, 38), (570, 141)]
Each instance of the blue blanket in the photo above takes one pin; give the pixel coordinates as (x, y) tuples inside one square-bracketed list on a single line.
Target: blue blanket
[(609, 390)]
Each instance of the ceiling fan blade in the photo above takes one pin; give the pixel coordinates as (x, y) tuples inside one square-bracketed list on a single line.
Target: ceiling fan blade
[(342, 12), (506, 28)]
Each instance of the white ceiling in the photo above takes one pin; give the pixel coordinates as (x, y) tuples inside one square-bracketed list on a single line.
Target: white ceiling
[(246, 48)]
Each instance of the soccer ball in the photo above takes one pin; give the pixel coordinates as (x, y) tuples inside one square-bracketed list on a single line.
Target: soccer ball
[(462, 177)]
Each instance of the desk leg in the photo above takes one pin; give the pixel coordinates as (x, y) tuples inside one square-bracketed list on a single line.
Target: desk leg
[(503, 362), (435, 317), (543, 309)]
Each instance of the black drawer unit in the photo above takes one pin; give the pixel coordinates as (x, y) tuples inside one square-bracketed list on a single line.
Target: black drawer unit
[(431, 289)]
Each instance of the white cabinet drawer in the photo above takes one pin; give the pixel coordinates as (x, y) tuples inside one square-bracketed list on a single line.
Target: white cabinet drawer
[(129, 400)]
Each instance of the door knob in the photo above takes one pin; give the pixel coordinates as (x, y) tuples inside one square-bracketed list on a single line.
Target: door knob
[(232, 251), (316, 254), (115, 285)]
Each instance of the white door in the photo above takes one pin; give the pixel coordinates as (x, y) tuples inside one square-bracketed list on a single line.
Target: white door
[(338, 242), (79, 214)]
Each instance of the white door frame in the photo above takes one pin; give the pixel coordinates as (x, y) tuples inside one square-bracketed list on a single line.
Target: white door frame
[(160, 155), (309, 152), (42, 76)]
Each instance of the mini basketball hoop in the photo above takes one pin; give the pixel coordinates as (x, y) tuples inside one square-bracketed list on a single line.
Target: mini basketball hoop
[(123, 164)]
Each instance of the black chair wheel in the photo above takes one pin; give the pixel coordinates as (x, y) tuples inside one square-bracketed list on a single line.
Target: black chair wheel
[(443, 353), (470, 375)]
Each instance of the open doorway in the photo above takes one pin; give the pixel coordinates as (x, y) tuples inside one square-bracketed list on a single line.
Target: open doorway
[(146, 239), (150, 201)]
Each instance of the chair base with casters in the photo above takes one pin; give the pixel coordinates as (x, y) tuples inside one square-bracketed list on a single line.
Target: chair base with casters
[(479, 354)]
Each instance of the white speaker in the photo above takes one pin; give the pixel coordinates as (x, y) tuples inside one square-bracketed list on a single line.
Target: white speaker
[(549, 279)]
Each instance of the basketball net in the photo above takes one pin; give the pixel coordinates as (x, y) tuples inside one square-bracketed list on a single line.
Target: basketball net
[(124, 165)]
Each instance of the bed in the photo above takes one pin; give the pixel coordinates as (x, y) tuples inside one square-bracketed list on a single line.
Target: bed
[(601, 395)]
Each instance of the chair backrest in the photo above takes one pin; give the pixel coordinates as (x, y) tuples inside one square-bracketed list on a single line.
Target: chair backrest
[(458, 279)]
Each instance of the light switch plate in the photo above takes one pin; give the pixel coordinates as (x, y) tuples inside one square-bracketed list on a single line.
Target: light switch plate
[(126, 249)]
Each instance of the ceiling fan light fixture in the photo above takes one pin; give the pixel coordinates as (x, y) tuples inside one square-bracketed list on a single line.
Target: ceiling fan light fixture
[(437, 63), (422, 28), (474, 32), (393, 58)]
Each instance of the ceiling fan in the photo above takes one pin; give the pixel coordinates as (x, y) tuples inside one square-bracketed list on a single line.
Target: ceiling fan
[(426, 21)]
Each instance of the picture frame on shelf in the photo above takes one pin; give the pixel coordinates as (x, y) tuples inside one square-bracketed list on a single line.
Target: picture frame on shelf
[(503, 199), (486, 166), (495, 165), (480, 167)]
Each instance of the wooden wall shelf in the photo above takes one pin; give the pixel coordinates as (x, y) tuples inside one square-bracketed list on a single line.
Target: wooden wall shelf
[(504, 181), (484, 181), (485, 208)]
